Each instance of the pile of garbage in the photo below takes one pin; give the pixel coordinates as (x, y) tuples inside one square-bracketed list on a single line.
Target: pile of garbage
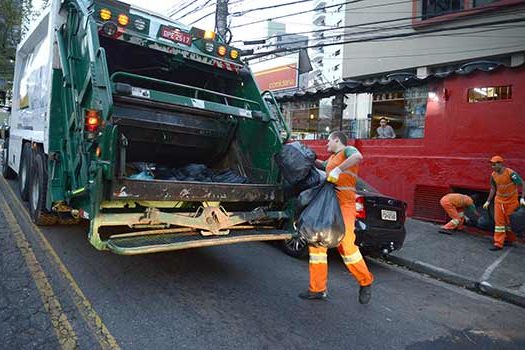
[(189, 172), (320, 221)]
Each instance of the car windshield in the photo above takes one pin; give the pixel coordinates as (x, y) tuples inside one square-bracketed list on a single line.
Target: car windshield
[(365, 187)]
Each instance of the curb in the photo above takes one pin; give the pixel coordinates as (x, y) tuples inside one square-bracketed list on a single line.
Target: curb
[(450, 277)]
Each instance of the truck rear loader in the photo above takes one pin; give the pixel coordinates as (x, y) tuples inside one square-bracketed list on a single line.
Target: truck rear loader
[(107, 97)]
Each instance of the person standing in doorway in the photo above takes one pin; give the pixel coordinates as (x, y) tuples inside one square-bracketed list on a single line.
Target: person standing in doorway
[(504, 184), (385, 131), (342, 168)]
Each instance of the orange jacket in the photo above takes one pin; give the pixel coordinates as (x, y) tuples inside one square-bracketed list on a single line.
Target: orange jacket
[(458, 200), (347, 180), (506, 189)]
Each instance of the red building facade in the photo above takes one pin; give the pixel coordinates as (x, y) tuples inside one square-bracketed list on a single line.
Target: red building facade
[(468, 119)]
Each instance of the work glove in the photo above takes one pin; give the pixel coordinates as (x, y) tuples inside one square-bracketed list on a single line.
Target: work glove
[(333, 175), (486, 205), (522, 202)]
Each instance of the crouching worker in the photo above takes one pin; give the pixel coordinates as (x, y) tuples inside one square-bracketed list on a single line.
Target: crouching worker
[(342, 169), (455, 205)]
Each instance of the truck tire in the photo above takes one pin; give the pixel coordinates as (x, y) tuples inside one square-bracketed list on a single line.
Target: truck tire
[(24, 174), (7, 172), (38, 192)]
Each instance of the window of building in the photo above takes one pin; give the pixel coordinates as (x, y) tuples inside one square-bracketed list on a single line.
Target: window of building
[(337, 53), (493, 93), (433, 8), (479, 3)]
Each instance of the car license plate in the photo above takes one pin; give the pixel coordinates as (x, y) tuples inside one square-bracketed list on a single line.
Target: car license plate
[(388, 215), (175, 34)]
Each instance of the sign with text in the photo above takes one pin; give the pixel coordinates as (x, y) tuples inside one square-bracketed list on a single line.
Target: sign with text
[(278, 78)]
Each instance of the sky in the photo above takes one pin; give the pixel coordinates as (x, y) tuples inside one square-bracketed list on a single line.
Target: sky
[(297, 23)]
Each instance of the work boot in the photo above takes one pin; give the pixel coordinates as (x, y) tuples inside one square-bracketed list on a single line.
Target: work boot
[(449, 226), (313, 295), (495, 248), (365, 294)]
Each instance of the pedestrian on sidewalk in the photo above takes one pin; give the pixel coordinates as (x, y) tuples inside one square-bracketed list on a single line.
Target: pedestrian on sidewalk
[(342, 168), (504, 184), (455, 205)]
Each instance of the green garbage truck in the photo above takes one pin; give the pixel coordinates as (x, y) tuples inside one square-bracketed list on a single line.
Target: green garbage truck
[(111, 103)]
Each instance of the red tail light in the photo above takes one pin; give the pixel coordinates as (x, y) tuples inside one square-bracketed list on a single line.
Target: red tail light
[(360, 207), (92, 121)]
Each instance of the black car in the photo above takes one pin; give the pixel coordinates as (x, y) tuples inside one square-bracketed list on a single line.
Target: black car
[(379, 224)]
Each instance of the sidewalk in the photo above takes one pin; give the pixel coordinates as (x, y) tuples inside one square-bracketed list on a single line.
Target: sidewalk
[(464, 259)]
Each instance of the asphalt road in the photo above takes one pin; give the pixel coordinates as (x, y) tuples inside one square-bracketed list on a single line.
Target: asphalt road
[(245, 296)]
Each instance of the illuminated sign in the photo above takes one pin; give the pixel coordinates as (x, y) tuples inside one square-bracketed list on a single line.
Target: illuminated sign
[(278, 78)]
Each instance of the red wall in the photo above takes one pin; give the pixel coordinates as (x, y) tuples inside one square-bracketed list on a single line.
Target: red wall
[(460, 137)]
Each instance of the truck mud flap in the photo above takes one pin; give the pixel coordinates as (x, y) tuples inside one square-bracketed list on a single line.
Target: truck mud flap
[(164, 190), (170, 242)]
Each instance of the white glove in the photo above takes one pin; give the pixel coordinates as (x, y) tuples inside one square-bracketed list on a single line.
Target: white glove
[(486, 205), (522, 202), (333, 176)]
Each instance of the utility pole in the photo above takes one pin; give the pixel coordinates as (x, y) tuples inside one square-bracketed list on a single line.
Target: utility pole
[(221, 18)]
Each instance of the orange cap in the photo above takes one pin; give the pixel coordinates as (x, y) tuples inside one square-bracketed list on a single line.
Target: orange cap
[(496, 159)]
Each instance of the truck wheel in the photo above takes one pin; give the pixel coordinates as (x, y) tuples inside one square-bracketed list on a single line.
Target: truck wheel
[(7, 172), (38, 192), (296, 247), (25, 171)]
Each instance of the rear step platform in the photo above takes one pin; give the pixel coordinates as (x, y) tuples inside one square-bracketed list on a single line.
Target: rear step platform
[(169, 242)]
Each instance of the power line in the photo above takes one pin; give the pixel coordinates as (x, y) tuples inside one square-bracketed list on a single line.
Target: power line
[(433, 53), (376, 22), (300, 13), (399, 27), (183, 8), (383, 37), (242, 13), (198, 8), (211, 13)]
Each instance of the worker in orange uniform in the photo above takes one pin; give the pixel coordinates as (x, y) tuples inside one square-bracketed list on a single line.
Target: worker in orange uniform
[(504, 184), (455, 205), (342, 169)]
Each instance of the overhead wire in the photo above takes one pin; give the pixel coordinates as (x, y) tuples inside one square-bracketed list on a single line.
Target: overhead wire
[(375, 22), (383, 37)]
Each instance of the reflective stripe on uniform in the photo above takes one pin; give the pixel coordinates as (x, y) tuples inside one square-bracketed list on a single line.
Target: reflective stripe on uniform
[(499, 229), (352, 258), (351, 173), (318, 258), (345, 188), (455, 221), (505, 195), (461, 214)]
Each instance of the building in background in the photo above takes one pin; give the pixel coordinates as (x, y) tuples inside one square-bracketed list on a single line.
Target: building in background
[(327, 61), (449, 76)]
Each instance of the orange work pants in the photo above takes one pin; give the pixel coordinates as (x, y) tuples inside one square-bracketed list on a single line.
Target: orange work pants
[(456, 214), (350, 253), (502, 229)]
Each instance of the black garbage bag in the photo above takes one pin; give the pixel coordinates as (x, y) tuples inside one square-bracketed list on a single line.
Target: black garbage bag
[(321, 222), (195, 172), (305, 197), (485, 220), (295, 161), (315, 178), (228, 176), (517, 222)]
